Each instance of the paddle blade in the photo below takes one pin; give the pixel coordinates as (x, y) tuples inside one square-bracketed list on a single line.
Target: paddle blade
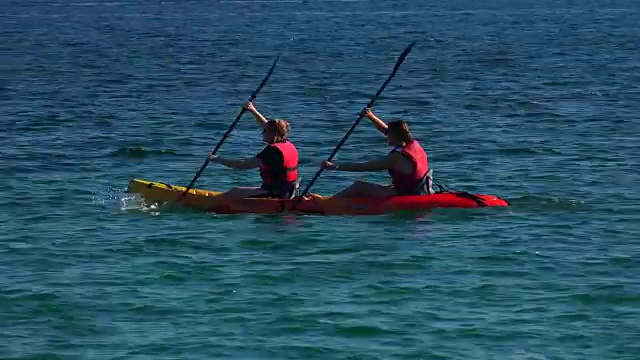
[(399, 62), (264, 81)]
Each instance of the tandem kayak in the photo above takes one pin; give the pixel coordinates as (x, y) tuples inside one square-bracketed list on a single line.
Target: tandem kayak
[(205, 200)]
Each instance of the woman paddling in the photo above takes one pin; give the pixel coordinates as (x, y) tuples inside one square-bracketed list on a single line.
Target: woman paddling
[(407, 164), (278, 161)]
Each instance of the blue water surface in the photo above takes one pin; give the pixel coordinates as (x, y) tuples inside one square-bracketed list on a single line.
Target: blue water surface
[(534, 101)]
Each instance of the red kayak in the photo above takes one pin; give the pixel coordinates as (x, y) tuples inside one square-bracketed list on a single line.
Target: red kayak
[(157, 192)]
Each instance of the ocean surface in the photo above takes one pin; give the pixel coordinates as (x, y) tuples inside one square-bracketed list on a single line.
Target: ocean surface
[(534, 101)]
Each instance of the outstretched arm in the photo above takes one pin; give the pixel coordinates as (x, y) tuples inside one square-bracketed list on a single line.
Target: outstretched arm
[(262, 121), (382, 163), (379, 124), (249, 163)]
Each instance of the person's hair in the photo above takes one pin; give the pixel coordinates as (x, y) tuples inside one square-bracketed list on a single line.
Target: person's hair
[(279, 127), (400, 129)]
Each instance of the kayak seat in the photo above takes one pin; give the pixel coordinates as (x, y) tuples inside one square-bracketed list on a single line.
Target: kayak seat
[(429, 182), (295, 192), (425, 187), (292, 194)]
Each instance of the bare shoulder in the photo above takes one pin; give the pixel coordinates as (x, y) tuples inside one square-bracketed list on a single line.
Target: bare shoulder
[(396, 157), (400, 162)]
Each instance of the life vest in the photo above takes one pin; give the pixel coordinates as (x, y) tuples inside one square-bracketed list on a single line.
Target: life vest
[(279, 179), (413, 183)]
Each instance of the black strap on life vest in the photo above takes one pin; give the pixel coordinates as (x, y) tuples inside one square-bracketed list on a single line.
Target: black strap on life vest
[(276, 170)]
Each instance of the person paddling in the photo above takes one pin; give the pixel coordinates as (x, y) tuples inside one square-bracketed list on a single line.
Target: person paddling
[(407, 164), (278, 161)]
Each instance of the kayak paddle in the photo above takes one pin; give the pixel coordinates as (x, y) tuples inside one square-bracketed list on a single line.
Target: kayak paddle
[(253, 96), (370, 104)]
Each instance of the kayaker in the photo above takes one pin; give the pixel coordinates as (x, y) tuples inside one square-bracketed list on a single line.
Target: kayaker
[(407, 164), (278, 161)]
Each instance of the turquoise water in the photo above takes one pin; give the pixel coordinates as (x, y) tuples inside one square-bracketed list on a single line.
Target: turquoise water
[(536, 102)]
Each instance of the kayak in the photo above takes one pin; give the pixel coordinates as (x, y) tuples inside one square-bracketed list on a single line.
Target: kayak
[(210, 201)]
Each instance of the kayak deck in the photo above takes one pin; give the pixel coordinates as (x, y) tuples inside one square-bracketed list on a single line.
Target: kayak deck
[(210, 201)]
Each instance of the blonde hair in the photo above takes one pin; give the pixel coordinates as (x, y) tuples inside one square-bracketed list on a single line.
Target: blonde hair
[(400, 129), (279, 127)]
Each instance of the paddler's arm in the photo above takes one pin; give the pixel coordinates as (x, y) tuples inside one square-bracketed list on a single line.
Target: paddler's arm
[(249, 163), (262, 121), (379, 164), (379, 124)]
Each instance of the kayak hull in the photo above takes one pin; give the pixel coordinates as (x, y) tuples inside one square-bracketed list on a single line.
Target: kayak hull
[(210, 201)]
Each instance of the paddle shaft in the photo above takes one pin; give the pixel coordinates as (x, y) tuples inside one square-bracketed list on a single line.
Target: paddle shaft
[(370, 104), (253, 96)]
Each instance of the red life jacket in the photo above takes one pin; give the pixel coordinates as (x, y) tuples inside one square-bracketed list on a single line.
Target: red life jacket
[(281, 178), (409, 183)]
